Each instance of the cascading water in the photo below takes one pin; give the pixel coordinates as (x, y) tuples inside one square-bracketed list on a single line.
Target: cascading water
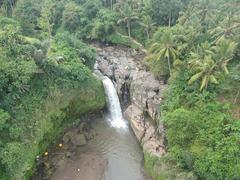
[(114, 141), (114, 108)]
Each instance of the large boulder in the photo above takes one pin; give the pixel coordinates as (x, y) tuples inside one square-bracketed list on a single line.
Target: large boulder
[(151, 142), (75, 138), (145, 131), (144, 92), (68, 136), (136, 118), (105, 68), (79, 140)]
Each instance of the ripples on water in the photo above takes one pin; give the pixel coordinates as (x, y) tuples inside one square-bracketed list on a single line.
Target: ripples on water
[(120, 147), (115, 141)]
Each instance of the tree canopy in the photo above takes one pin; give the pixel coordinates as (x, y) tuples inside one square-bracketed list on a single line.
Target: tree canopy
[(192, 45)]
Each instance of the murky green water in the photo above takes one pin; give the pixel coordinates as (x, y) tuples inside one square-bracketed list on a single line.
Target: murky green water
[(120, 147)]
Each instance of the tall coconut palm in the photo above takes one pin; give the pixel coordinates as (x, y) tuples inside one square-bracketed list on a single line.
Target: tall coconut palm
[(165, 50), (227, 29), (207, 66), (206, 12), (127, 16), (187, 14), (205, 70), (223, 53), (148, 25), (204, 9)]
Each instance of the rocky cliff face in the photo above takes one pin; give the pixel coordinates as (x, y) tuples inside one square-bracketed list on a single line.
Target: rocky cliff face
[(139, 92)]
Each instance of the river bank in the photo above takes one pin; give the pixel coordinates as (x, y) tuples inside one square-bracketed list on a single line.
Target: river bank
[(62, 161), (110, 153)]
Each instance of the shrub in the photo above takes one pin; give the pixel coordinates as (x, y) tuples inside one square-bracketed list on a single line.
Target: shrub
[(27, 13), (104, 24), (205, 140), (71, 48), (72, 16)]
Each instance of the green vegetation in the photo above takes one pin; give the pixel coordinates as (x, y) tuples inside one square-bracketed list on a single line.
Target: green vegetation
[(200, 56), (46, 80), (166, 167), (46, 83)]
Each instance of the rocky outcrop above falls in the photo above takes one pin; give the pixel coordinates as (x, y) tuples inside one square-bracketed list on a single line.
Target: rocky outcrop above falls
[(139, 91)]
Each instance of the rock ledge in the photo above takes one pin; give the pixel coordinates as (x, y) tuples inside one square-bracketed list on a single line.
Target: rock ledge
[(138, 91)]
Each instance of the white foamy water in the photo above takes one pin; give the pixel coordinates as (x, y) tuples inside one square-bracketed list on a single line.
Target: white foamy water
[(114, 108)]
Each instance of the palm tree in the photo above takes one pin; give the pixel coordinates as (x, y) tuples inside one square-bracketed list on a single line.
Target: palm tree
[(205, 10), (148, 25), (165, 50), (223, 53), (205, 70), (7, 6), (127, 16), (207, 66), (187, 14), (225, 30), (134, 4)]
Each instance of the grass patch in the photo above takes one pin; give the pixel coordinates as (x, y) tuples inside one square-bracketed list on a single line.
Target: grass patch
[(121, 40), (165, 168)]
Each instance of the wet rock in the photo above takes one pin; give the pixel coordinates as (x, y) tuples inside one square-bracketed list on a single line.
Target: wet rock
[(151, 143), (105, 68), (124, 66), (136, 118), (68, 154), (145, 131), (75, 137), (145, 92), (84, 127), (78, 140), (67, 137), (89, 135)]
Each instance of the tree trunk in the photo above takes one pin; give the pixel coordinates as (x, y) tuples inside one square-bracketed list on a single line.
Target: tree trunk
[(236, 98), (169, 66), (148, 37), (106, 3), (129, 28), (8, 8), (170, 19), (111, 1)]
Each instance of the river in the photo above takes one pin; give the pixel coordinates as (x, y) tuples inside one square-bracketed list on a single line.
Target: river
[(114, 142)]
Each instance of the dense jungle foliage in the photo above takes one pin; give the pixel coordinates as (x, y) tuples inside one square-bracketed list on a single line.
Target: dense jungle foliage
[(45, 83), (194, 44)]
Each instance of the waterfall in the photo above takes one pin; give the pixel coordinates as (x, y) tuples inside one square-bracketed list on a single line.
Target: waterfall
[(114, 108)]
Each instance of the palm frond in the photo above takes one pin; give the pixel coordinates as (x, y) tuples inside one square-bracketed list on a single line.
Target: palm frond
[(195, 77)]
